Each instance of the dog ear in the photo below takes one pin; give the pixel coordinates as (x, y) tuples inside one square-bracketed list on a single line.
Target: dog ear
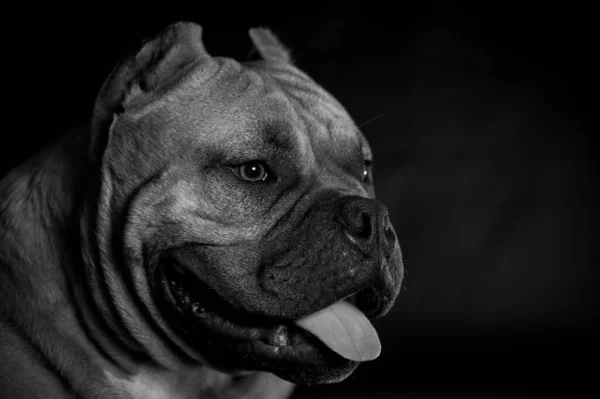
[(159, 64), (268, 46)]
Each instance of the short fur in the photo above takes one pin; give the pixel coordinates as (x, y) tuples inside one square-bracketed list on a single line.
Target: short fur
[(89, 224)]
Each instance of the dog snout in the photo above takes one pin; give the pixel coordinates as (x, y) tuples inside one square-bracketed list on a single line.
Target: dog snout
[(367, 225)]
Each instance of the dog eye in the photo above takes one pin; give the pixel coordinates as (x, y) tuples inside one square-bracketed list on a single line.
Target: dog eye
[(252, 171), (367, 175)]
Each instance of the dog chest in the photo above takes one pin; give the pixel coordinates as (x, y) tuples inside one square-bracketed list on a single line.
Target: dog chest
[(149, 383)]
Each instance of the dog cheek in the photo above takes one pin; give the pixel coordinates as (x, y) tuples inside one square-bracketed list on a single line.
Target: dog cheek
[(314, 268)]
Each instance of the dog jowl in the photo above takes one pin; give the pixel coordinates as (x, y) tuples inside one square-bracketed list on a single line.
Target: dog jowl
[(212, 229)]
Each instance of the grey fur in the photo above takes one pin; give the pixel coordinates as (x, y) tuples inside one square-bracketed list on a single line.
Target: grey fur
[(84, 232)]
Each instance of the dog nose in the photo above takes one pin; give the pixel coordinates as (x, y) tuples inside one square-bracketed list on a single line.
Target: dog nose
[(368, 226)]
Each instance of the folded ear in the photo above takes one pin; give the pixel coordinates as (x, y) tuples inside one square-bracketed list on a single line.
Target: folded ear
[(268, 46), (160, 63)]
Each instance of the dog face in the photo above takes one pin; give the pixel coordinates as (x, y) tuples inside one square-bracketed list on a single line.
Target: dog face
[(241, 199)]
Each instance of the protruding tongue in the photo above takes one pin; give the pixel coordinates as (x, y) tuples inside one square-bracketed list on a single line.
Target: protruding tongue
[(345, 330)]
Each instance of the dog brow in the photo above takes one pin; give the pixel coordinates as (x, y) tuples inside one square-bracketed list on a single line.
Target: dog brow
[(278, 134)]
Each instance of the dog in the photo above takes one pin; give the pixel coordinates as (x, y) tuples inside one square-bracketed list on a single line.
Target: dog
[(211, 232)]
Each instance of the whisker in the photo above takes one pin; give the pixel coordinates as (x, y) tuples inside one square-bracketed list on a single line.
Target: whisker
[(370, 120)]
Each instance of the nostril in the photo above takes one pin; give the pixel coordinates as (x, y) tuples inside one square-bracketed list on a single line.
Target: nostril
[(358, 222), (360, 232), (363, 220), (365, 228)]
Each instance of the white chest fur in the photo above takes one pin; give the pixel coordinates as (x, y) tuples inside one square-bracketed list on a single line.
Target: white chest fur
[(150, 383)]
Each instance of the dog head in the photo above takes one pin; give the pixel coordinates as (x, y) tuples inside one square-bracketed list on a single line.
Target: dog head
[(236, 223)]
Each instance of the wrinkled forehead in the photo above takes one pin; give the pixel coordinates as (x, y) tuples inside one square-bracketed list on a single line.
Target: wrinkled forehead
[(269, 104), (324, 118)]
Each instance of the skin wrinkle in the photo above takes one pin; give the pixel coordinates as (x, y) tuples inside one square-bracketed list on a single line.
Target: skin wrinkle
[(322, 111), (293, 209), (141, 291), (82, 313), (327, 120), (103, 301), (90, 329), (204, 219), (122, 337), (155, 315), (163, 196), (151, 310), (277, 200), (108, 301), (33, 330), (298, 223), (181, 349)]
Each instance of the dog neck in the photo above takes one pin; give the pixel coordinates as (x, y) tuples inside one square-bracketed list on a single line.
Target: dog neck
[(39, 226), (38, 208)]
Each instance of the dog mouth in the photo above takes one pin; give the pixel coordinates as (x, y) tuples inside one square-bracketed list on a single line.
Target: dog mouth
[(233, 337)]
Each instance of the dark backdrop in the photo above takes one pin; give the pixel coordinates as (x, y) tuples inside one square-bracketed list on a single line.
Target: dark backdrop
[(480, 121)]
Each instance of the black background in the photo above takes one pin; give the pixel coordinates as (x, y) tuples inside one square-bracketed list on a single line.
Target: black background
[(480, 122)]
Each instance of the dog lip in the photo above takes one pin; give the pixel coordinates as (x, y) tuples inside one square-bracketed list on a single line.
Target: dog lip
[(195, 311), (269, 341), (276, 336)]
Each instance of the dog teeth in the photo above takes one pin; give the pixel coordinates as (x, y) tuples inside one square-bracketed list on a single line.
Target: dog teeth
[(278, 337), (281, 337), (185, 299), (196, 308)]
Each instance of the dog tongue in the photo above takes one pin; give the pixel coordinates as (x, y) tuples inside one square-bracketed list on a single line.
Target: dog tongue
[(345, 330)]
